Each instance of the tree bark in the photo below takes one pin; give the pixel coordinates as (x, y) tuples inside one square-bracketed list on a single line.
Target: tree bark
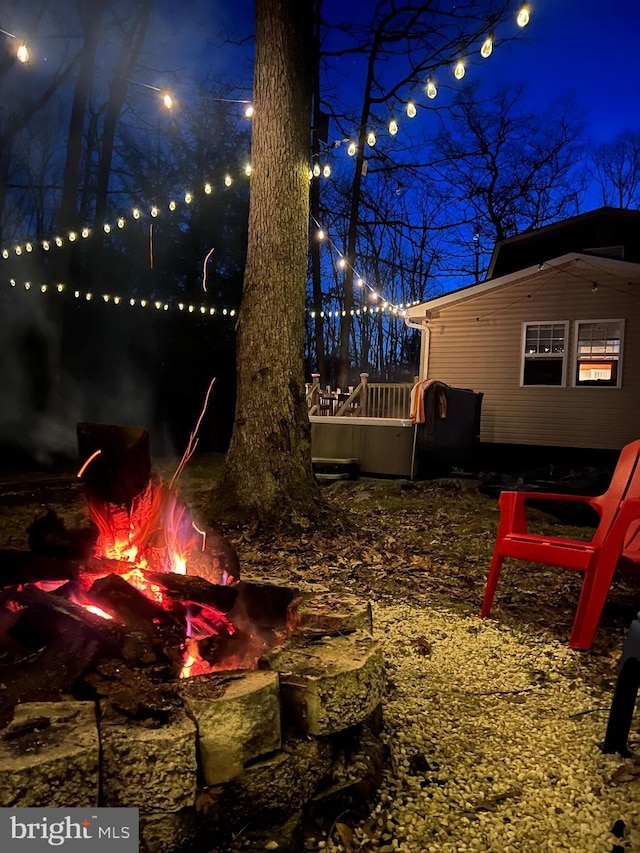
[(267, 471)]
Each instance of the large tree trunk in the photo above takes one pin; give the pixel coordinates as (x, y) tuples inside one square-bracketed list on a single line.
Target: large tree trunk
[(267, 471)]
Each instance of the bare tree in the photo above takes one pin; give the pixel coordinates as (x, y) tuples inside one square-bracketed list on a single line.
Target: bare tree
[(616, 170), (402, 45), (504, 171), (267, 470)]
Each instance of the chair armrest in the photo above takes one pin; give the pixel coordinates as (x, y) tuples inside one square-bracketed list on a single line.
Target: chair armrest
[(548, 496), (513, 518)]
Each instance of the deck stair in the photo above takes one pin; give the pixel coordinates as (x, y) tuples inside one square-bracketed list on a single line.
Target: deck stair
[(335, 469)]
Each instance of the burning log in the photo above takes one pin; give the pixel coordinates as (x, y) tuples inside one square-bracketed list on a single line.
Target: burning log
[(134, 609), (193, 589), (46, 616), (218, 562), (23, 567)]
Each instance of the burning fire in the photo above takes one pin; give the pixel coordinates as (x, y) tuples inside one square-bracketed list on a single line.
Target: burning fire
[(158, 534)]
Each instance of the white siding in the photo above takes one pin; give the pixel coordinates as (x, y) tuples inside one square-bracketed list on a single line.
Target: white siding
[(477, 344)]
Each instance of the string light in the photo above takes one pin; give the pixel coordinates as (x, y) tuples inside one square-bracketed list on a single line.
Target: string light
[(393, 127), (22, 51), (73, 234), (108, 299), (167, 101), (431, 89), (316, 170), (411, 109), (248, 170), (351, 150), (248, 113), (326, 170), (459, 70), (487, 47), (371, 138), (342, 263), (523, 16)]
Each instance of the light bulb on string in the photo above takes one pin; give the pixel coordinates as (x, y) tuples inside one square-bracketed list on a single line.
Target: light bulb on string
[(411, 109), (431, 89), (342, 263), (316, 170), (371, 138), (172, 205), (121, 222), (321, 234), (326, 170), (154, 211), (5, 254), (248, 113), (106, 227), (85, 233), (188, 197), (22, 53), (523, 16), (487, 47), (228, 180), (72, 238), (393, 127), (167, 101), (248, 170), (45, 245), (459, 70), (135, 213), (351, 150), (208, 188), (58, 241)]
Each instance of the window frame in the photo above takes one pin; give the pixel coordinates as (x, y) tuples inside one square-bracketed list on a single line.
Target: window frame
[(523, 355), (575, 359)]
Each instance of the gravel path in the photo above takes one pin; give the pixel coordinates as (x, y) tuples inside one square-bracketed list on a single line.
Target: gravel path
[(493, 738)]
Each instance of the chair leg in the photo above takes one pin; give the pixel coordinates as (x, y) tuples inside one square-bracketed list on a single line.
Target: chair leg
[(590, 606), (492, 582)]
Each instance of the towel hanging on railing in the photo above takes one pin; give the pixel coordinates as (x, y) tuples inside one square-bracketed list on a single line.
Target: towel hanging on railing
[(418, 394)]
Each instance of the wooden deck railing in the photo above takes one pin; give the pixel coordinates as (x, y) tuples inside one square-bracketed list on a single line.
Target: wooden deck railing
[(366, 400)]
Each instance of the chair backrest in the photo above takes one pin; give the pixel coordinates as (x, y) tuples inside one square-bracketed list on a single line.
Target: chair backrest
[(625, 483)]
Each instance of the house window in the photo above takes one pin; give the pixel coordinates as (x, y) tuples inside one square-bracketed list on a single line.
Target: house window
[(544, 351), (598, 353)]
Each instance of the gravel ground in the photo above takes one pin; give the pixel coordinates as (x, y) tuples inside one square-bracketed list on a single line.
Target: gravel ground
[(493, 737)]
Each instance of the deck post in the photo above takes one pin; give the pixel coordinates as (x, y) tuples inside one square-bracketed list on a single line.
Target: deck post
[(313, 397)]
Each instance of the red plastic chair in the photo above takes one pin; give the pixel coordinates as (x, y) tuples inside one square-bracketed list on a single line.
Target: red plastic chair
[(617, 535)]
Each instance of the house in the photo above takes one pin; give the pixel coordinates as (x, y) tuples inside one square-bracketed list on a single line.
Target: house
[(551, 337)]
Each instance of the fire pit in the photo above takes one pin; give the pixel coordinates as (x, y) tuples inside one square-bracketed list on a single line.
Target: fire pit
[(148, 674)]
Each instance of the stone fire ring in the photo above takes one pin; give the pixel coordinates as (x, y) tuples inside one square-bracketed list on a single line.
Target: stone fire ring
[(294, 739)]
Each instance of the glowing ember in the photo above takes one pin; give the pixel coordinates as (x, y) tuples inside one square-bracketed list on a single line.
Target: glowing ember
[(97, 610)]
